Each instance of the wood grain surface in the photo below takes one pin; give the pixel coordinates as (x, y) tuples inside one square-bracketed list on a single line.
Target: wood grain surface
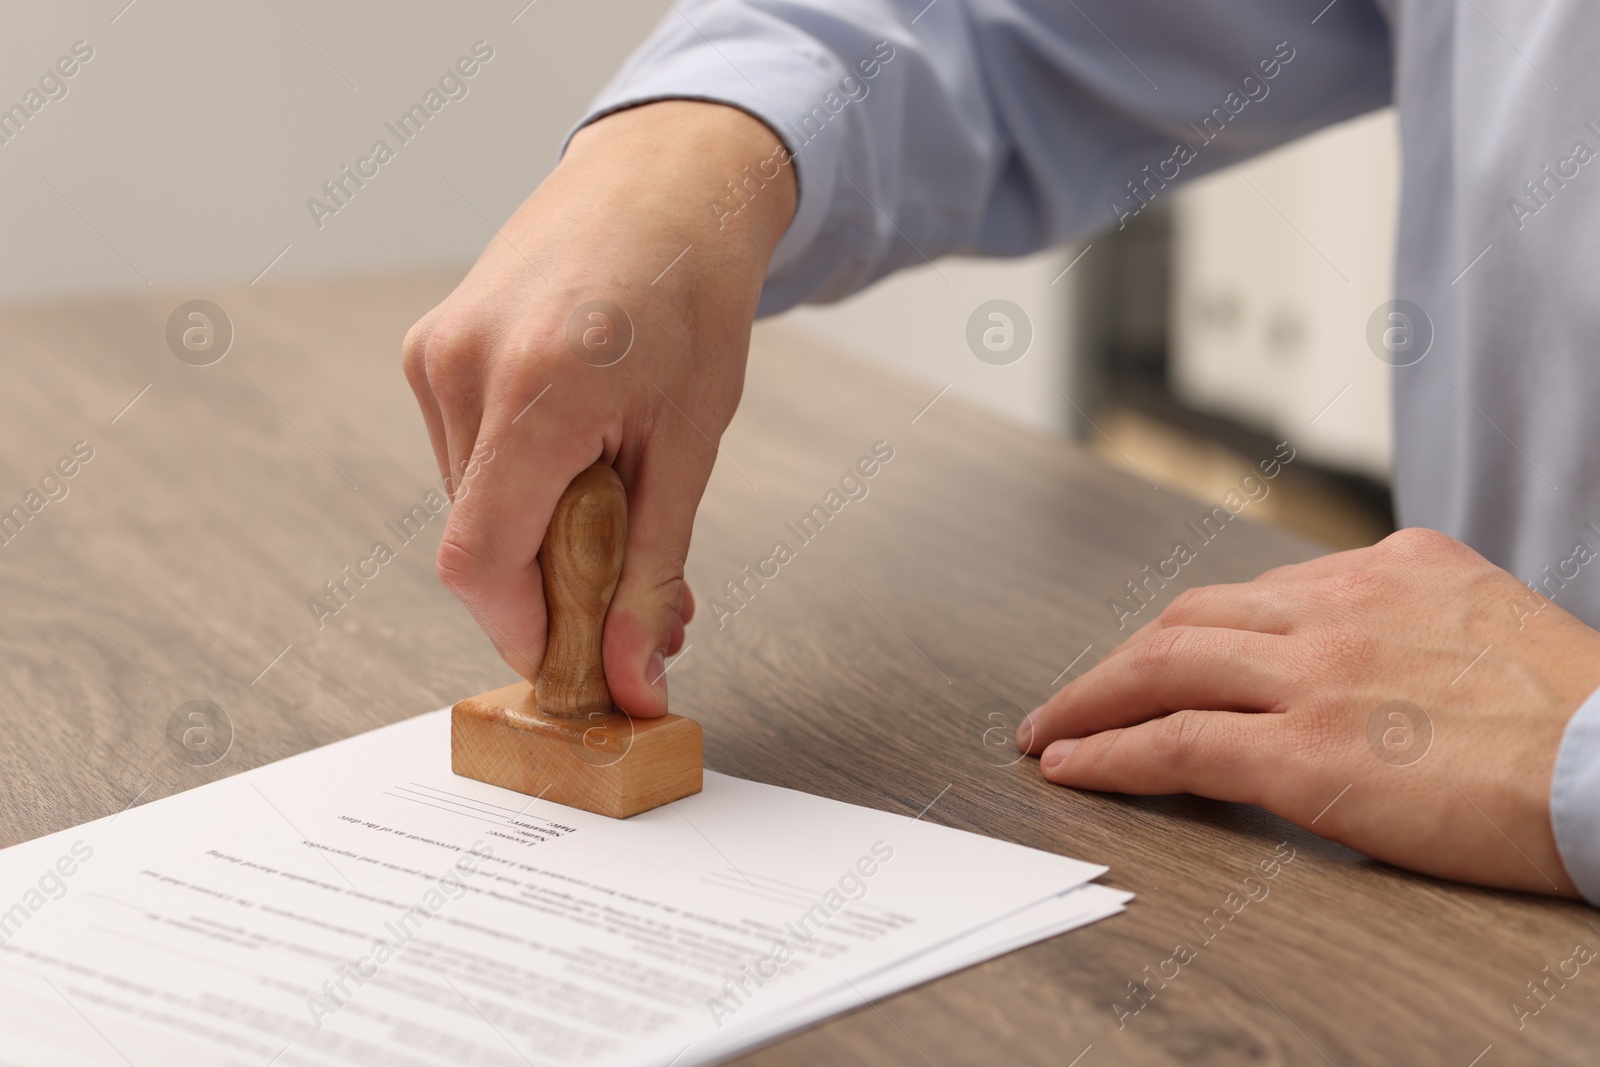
[(580, 562), (876, 668)]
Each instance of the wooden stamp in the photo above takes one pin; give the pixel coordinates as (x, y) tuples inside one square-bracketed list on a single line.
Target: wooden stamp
[(561, 738)]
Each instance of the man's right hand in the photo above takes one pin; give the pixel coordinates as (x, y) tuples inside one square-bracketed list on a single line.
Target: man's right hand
[(514, 371)]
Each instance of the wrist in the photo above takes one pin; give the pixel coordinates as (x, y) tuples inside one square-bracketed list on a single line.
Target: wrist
[(710, 171)]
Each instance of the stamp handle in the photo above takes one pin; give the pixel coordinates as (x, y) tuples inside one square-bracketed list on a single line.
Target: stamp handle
[(581, 560)]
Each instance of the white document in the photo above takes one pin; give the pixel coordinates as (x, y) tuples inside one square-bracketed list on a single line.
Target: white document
[(1068, 911), (360, 904)]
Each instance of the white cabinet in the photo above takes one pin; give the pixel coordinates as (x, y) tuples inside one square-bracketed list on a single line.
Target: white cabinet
[(1277, 266)]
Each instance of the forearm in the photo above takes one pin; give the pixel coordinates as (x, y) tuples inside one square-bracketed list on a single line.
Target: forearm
[(1003, 126)]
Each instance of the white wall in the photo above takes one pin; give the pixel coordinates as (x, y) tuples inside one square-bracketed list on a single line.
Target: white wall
[(185, 151), (916, 322), (193, 138)]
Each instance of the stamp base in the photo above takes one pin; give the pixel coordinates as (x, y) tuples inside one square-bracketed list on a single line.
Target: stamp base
[(607, 763)]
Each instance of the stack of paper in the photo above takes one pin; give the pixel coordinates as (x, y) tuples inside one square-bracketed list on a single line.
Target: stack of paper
[(360, 904)]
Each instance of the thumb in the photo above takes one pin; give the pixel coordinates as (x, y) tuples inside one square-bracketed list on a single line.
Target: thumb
[(645, 622)]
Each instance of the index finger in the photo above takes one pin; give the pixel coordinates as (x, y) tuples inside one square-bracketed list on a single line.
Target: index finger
[(1179, 668), (488, 556)]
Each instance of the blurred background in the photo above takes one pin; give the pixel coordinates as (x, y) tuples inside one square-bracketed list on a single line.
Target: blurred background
[(183, 153)]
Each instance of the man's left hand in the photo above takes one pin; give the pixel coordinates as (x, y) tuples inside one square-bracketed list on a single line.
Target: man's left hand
[(1406, 700)]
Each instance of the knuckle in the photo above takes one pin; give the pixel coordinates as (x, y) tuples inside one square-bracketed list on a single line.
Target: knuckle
[(519, 366), (1314, 738), (416, 337), (1418, 541), (412, 349), (661, 586), (653, 574), (1418, 537), (1176, 737), (1097, 756), (1185, 607), (1165, 649), (536, 341), (520, 372), (457, 564), (452, 345)]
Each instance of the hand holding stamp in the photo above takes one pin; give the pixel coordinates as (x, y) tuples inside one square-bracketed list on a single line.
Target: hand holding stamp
[(561, 738)]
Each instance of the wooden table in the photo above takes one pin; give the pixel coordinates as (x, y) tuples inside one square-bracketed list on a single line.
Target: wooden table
[(179, 566)]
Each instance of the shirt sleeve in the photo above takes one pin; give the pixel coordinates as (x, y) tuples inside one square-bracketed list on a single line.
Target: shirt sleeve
[(1575, 799), (998, 127)]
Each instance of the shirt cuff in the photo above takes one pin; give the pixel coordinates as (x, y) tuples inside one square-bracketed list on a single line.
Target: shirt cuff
[(786, 76), (1575, 799)]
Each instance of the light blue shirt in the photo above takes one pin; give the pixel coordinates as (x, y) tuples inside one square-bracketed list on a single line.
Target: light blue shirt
[(1002, 126)]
